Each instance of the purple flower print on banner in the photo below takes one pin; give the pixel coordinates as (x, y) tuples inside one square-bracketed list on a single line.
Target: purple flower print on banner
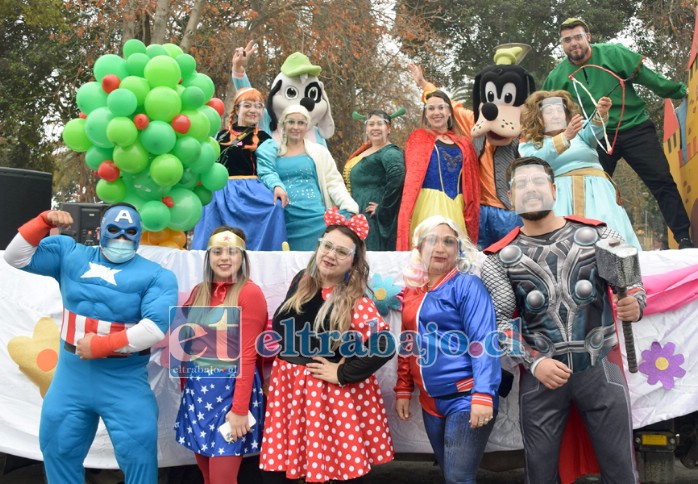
[(662, 365)]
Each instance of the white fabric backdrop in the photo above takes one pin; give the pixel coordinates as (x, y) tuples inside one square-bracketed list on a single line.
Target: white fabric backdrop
[(25, 298)]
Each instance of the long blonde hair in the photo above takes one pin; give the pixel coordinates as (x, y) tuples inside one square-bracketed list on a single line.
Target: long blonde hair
[(204, 290), (339, 305), (532, 124)]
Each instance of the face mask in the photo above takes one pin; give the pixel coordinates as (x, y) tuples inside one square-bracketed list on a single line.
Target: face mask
[(119, 251)]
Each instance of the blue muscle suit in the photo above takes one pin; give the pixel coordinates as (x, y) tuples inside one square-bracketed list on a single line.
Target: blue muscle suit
[(124, 302)]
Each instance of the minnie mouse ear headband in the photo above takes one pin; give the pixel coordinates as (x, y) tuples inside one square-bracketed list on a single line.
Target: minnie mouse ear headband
[(378, 112), (357, 224)]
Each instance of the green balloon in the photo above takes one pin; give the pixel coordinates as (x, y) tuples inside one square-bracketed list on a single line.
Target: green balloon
[(96, 127), (74, 135), (186, 211), (162, 103), (131, 159), (135, 64), (166, 170), (187, 64), (215, 178), (121, 131), (163, 71), (200, 125), (189, 180), (155, 50), (110, 64), (187, 149), (216, 147), (133, 46), (203, 82), (144, 186), (155, 215), (96, 155), (173, 50), (111, 192), (138, 86), (213, 118), (205, 160), (158, 137), (131, 197), (192, 98), (90, 96), (122, 102), (204, 194)]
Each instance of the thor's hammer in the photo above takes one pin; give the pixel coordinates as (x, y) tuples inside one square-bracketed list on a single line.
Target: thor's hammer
[(619, 265)]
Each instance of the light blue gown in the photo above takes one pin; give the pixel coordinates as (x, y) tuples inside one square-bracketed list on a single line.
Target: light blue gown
[(305, 212), (599, 192)]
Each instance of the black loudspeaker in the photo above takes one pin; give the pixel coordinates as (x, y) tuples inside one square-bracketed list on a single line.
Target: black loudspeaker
[(24, 194), (86, 219)]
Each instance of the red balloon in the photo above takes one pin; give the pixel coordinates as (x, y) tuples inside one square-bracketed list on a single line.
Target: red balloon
[(181, 123), (168, 201), (141, 121), (82, 116), (110, 82), (217, 104), (108, 171)]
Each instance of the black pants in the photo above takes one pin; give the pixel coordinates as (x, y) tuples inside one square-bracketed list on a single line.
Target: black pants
[(640, 147)]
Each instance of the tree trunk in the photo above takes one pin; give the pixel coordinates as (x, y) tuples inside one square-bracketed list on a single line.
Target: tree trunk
[(162, 13), (192, 25)]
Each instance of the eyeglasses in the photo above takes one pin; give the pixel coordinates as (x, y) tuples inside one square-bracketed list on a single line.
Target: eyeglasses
[(220, 251), (341, 252), (538, 181), (433, 107), (376, 124), (249, 105), (296, 122), (447, 241), (570, 38)]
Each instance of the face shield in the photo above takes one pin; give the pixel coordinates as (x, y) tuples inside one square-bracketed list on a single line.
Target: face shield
[(532, 192), (225, 258), (554, 114)]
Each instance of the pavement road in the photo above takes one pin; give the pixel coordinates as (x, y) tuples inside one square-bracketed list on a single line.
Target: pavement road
[(396, 472)]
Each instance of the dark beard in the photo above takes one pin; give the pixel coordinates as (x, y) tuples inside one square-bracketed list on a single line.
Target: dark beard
[(578, 58), (534, 216)]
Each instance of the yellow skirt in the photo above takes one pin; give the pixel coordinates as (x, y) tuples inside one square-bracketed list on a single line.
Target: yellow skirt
[(435, 202)]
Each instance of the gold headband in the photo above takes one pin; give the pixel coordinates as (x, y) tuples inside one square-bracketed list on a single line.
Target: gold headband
[(226, 239)]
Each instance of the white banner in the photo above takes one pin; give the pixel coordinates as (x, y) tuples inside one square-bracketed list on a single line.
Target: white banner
[(30, 315)]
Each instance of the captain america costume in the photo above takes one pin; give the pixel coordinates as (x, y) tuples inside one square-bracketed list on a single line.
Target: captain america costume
[(565, 313), (126, 305)]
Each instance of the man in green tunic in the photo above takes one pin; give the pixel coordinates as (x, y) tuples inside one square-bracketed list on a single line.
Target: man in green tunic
[(636, 140)]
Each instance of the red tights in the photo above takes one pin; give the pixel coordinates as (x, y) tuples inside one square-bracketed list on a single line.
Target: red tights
[(219, 470)]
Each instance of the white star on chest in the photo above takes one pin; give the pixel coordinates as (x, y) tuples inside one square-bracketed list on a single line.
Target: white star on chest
[(101, 272)]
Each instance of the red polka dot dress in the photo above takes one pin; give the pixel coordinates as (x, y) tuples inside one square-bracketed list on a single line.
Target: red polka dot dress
[(321, 430)]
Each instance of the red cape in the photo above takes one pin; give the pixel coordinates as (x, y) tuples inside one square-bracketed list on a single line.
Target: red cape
[(418, 150)]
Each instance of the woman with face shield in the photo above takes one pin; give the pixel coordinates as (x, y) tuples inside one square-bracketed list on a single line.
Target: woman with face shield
[(326, 420), (555, 131), (449, 316), (217, 391), (244, 202), (304, 176), (375, 175)]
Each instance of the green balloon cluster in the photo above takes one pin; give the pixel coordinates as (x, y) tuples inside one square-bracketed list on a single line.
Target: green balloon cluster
[(146, 127)]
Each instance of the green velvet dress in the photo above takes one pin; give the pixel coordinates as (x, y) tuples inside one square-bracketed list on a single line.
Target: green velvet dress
[(378, 178)]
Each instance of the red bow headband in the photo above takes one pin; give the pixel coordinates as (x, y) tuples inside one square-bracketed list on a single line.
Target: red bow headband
[(357, 224)]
